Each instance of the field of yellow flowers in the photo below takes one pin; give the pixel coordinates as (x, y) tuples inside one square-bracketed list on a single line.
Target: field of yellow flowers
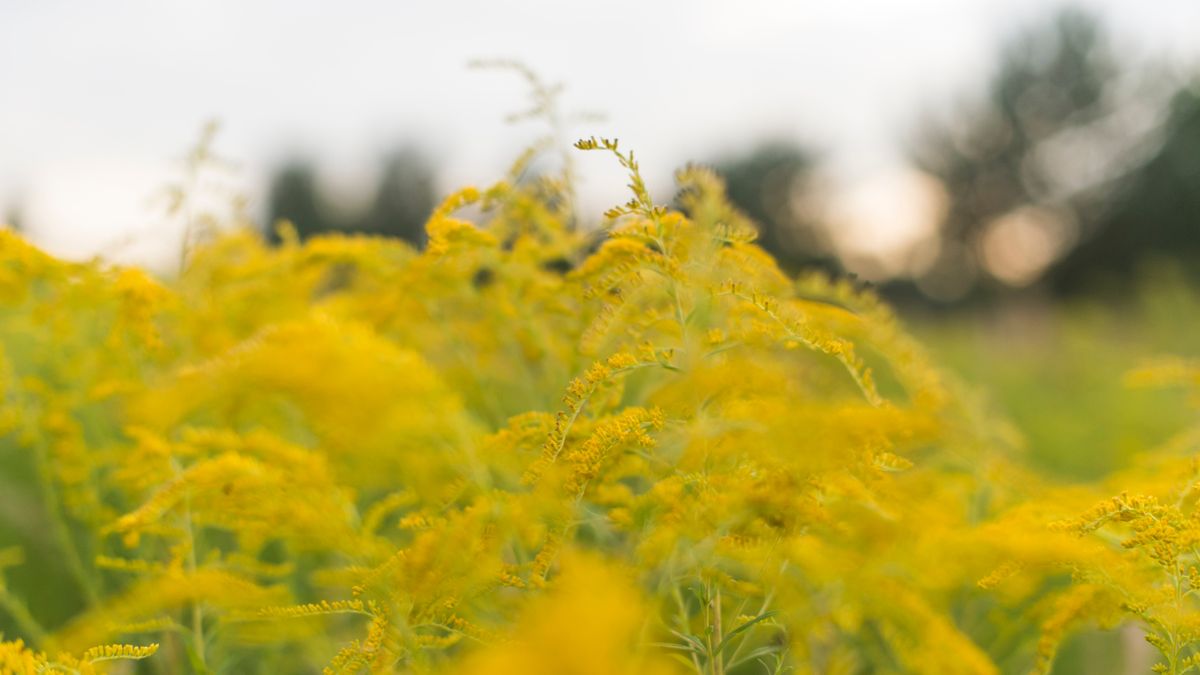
[(525, 449)]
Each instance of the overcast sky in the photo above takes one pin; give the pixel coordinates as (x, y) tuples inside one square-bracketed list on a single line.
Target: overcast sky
[(98, 98)]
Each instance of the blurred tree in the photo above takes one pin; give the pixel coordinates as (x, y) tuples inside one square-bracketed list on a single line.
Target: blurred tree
[(1154, 210), (403, 200), (14, 217), (294, 197), (1011, 213), (773, 186)]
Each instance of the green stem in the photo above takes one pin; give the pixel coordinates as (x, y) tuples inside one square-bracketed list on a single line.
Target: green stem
[(59, 528), (197, 610), (32, 631), (198, 642), (718, 660)]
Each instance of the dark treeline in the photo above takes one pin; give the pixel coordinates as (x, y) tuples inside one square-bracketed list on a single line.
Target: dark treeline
[(403, 199), (1051, 181)]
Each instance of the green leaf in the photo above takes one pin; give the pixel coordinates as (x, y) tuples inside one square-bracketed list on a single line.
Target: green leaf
[(743, 628)]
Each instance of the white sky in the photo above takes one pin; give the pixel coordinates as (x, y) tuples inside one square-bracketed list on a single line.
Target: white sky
[(98, 98)]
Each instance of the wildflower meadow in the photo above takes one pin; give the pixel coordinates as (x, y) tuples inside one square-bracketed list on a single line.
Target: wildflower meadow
[(533, 447)]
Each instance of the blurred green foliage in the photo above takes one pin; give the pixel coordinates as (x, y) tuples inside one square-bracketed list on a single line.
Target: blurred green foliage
[(1056, 370)]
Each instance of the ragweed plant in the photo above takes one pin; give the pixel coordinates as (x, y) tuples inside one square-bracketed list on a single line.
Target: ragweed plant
[(517, 450)]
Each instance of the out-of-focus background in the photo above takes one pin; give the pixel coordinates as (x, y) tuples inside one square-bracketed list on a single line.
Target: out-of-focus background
[(1014, 175), (944, 147), (1020, 178), (995, 168)]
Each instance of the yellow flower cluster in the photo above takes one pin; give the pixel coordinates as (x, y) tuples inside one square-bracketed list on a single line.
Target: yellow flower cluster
[(522, 450), (17, 659)]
